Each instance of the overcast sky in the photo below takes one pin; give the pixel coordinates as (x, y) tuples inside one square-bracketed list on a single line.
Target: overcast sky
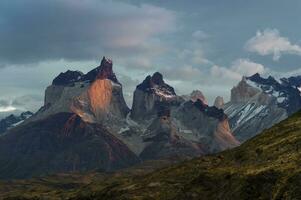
[(197, 44)]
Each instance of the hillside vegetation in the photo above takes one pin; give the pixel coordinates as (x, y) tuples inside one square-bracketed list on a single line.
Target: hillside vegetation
[(265, 167)]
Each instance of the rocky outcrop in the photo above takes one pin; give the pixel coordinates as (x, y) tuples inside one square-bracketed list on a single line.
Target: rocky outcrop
[(219, 102), (164, 141), (12, 121), (258, 103), (243, 92), (67, 78), (210, 111), (95, 96), (287, 92), (85, 124), (76, 129), (172, 121), (194, 96), (150, 95), (198, 95), (104, 71), (207, 125), (101, 101)]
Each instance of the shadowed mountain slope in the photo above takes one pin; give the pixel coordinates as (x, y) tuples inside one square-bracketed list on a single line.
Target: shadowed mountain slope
[(266, 167), (60, 143)]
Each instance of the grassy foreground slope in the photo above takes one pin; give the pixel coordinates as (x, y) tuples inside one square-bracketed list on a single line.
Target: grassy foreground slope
[(266, 167)]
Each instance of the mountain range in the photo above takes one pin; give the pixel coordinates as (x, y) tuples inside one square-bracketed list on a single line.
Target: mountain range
[(265, 167), (13, 120), (85, 123), (258, 103)]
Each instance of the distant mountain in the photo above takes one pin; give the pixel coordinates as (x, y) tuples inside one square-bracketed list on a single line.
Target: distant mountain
[(149, 96), (258, 103), (194, 96), (95, 96), (75, 129), (165, 141), (62, 142), (85, 124), (13, 121), (178, 125), (265, 167)]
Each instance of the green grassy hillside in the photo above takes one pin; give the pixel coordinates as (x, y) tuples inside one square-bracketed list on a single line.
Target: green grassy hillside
[(266, 167)]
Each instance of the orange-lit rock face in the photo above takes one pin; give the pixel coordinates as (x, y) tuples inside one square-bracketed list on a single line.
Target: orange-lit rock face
[(94, 103), (100, 95), (224, 137)]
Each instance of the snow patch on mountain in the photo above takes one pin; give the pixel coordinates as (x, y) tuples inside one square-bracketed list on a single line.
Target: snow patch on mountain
[(258, 103), (13, 121), (162, 92)]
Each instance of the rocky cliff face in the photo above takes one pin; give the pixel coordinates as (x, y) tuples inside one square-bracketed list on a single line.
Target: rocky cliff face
[(258, 103), (198, 95), (286, 91), (94, 96), (194, 96), (219, 102), (149, 95), (76, 129), (12, 121), (243, 92), (164, 141), (85, 124), (207, 125), (171, 120)]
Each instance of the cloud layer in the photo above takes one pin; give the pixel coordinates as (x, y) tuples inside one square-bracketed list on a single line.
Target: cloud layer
[(270, 42), (238, 69), (33, 31), (195, 44)]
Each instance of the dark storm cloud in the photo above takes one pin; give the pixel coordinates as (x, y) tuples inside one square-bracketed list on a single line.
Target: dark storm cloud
[(34, 30)]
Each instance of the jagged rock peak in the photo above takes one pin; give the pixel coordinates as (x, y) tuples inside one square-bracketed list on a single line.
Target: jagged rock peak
[(210, 111), (219, 102), (103, 71), (156, 84), (196, 94), (157, 78), (67, 77), (294, 81), (254, 77), (13, 121), (243, 91), (260, 80), (150, 81), (150, 95), (106, 70)]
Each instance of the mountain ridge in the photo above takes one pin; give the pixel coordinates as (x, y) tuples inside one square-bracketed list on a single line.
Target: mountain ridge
[(161, 124), (266, 167), (258, 103)]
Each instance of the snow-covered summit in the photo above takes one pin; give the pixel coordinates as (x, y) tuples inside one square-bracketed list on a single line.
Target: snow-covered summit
[(286, 91), (258, 103)]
